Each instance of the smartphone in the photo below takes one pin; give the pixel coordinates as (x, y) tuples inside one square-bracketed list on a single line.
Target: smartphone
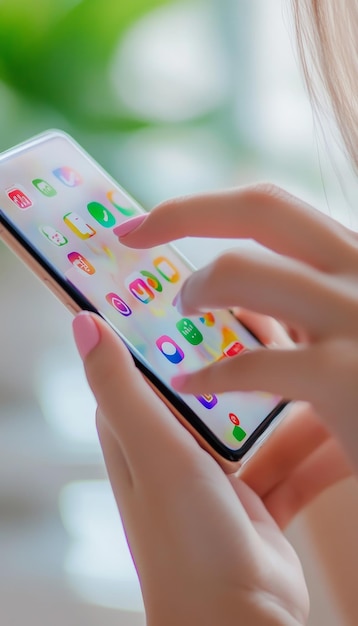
[(58, 211)]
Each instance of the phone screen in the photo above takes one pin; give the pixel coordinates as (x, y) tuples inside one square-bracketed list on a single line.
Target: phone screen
[(64, 208)]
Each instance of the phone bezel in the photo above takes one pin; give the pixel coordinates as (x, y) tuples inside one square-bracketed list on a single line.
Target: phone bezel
[(16, 241)]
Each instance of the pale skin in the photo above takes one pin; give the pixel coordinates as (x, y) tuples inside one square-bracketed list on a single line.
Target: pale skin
[(208, 547)]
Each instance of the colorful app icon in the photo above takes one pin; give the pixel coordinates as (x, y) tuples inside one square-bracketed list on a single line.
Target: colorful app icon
[(57, 238), (44, 187), (237, 432), (68, 176), (234, 348), (140, 290), (189, 331), (118, 303), (228, 337), (170, 349), (208, 319), (101, 214), (119, 201), (208, 400), (234, 419), (166, 269), (80, 262), (18, 197), (78, 226), (152, 280)]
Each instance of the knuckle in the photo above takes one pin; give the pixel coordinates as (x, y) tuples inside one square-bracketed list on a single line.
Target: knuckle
[(266, 195), (99, 419), (170, 204), (345, 351), (339, 354), (224, 264), (99, 423), (268, 190)]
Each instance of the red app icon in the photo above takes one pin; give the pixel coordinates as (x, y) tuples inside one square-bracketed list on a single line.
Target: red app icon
[(237, 432), (81, 263), (118, 303), (234, 348), (19, 198), (234, 419)]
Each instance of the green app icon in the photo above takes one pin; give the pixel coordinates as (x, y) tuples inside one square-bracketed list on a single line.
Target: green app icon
[(101, 214), (239, 433), (44, 187), (189, 331), (121, 203)]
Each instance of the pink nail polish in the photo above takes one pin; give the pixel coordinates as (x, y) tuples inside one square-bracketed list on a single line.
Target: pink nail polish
[(127, 227), (178, 382), (86, 333)]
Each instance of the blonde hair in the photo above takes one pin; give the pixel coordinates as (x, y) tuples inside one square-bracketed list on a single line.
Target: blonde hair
[(327, 36)]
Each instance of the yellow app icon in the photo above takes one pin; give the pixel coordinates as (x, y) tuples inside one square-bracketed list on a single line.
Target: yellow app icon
[(78, 226), (166, 269)]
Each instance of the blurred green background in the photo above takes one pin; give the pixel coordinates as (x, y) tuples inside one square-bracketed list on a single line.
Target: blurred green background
[(171, 98)]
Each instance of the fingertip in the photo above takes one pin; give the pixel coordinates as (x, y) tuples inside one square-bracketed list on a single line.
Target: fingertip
[(177, 303), (86, 333), (179, 382), (129, 226)]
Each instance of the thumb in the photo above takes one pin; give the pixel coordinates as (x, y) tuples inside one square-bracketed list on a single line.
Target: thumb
[(150, 436)]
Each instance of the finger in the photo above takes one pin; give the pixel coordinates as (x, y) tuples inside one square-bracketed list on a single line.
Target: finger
[(265, 283), (251, 502), (326, 466), (294, 440), (268, 330), (284, 458), (292, 374), (149, 435), (265, 213)]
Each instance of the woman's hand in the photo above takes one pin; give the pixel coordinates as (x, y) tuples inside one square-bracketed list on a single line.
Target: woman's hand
[(297, 462), (206, 549), (310, 284)]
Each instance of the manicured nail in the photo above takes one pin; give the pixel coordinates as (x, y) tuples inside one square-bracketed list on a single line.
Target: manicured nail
[(86, 333), (127, 227), (178, 382), (177, 303)]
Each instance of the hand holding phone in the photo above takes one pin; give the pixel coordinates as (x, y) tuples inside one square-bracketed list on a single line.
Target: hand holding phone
[(62, 213), (201, 541)]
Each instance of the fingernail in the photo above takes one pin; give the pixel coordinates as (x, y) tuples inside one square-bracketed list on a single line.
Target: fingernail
[(177, 303), (127, 227), (178, 382), (86, 333)]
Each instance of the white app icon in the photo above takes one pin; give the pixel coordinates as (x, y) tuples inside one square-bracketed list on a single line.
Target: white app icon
[(77, 224), (57, 238)]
